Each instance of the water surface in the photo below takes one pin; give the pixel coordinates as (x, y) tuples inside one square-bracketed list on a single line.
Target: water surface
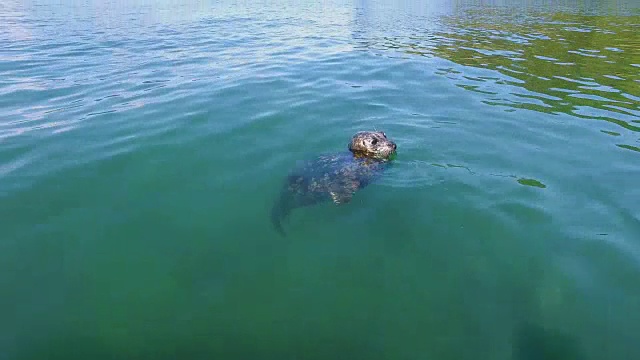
[(142, 146)]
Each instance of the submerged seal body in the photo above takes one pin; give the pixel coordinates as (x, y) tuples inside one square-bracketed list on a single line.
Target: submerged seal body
[(334, 177)]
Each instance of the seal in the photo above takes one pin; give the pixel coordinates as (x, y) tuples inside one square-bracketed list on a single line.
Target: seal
[(334, 177)]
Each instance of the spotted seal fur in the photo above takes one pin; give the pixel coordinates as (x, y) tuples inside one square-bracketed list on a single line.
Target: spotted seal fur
[(335, 177)]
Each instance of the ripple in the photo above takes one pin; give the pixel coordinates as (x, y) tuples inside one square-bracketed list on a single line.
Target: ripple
[(629, 147), (531, 182), (594, 72)]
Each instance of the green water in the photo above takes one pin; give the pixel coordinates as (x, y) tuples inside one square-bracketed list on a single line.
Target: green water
[(143, 144)]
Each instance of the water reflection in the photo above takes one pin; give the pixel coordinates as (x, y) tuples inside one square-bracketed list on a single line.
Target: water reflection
[(553, 61)]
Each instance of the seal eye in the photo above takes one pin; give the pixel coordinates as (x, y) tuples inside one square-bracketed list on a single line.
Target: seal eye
[(374, 141)]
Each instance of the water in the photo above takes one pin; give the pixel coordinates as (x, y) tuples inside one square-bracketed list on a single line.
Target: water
[(142, 146)]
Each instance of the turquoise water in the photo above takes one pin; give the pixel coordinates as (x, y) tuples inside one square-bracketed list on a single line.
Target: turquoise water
[(143, 144)]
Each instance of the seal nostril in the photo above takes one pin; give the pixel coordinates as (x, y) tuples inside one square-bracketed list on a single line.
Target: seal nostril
[(394, 146)]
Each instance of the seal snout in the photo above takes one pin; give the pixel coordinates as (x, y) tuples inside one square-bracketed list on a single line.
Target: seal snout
[(392, 146)]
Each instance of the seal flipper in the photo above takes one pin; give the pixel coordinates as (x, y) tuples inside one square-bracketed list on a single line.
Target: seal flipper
[(279, 212), (290, 198), (276, 220), (340, 197), (343, 193)]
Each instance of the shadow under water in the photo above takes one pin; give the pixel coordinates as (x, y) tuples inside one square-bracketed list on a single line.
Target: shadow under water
[(534, 342), (531, 342)]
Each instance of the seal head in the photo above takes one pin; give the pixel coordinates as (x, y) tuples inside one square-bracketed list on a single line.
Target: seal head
[(372, 144)]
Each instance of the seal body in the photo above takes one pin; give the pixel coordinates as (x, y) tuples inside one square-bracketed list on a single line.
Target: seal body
[(334, 177)]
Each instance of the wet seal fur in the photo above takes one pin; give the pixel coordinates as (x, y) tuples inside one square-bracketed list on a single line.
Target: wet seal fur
[(334, 177)]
